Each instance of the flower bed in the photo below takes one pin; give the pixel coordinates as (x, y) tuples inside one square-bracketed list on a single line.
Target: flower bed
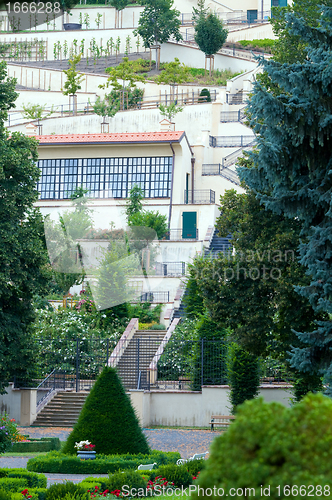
[(56, 462)]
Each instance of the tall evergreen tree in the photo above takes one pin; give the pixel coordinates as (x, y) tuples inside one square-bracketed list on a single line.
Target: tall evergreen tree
[(22, 255), (292, 173), (108, 420)]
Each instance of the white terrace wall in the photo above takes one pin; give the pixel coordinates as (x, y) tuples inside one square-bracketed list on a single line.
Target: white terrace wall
[(193, 119), (192, 56), (178, 408), (252, 33)]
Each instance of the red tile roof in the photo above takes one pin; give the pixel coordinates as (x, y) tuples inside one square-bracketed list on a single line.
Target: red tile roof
[(144, 137)]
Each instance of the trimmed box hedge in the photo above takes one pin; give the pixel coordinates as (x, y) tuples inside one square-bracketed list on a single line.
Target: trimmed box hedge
[(33, 480), (36, 445), (56, 462), (13, 484)]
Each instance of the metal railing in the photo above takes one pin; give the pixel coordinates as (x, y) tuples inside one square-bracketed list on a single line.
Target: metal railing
[(179, 235), (229, 18), (211, 168), (224, 141), (155, 297), (238, 98), (230, 175), (219, 169), (170, 268), (230, 159), (199, 196), (232, 116), (66, 363), (183, 364)]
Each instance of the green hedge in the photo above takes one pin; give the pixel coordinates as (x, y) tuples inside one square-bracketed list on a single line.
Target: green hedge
[(13, 484), (36, 445), (32, 479), (56, 462)]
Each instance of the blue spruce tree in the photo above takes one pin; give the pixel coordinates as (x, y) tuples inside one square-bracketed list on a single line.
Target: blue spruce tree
[(291, 113)]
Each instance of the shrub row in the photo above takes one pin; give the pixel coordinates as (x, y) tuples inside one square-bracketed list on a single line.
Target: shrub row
[(32, 479), (36, 445), (63, 464)]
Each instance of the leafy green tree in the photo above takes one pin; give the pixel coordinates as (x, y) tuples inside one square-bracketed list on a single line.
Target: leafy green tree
[(106, 107), (174, 73), (74, 79), (242, 374), (108, 420), (292, 172), (134, 202), (210, 34), (126, 72), (36, 111), (252, 291), (62, 237), (22, 255), (158, 23), (170, 111), (150, 220)]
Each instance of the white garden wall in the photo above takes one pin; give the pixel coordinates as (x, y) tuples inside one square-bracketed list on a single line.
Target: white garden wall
[(179, 408)]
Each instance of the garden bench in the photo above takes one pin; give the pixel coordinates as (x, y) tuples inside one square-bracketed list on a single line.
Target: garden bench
[(146, 466), (197, 456), (221, 420)]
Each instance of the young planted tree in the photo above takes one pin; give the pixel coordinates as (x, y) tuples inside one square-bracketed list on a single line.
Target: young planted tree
[(126, 73), (170, 111), (210, 34), (74, 80), (119, 5), (173, 74), (106, 107), (36, 111), (158, 23)]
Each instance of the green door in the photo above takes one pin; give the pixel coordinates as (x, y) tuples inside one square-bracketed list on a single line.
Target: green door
[(189, 225)]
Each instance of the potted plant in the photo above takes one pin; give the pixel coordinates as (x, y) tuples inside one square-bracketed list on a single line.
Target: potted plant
[(85, 450)]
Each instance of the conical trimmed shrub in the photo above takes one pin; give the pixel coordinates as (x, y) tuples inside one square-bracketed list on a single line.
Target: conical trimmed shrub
[(108, 420)]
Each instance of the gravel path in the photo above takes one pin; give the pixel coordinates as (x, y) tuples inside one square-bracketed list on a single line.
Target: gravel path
[(185, 441)]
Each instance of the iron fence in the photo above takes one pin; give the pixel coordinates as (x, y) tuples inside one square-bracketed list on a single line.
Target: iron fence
[(232, 116), (146, 361), (66, 362), (222, 141), (170, 268), (211, 168), (238, 98), (155, 297), (199, 196)]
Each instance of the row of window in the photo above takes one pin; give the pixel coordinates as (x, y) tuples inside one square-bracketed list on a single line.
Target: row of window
[(105, 177)]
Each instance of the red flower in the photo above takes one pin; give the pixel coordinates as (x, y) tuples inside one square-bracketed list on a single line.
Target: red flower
[(24, 492)]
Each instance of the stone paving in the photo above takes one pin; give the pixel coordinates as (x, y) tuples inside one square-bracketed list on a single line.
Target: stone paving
[(185, 441)]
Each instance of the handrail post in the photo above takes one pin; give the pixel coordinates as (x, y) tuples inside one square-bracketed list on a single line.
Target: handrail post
[(77, 367)]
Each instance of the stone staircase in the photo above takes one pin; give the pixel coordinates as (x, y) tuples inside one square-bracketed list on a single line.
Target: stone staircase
[(219, 245), (62, 411), (137, 358)]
